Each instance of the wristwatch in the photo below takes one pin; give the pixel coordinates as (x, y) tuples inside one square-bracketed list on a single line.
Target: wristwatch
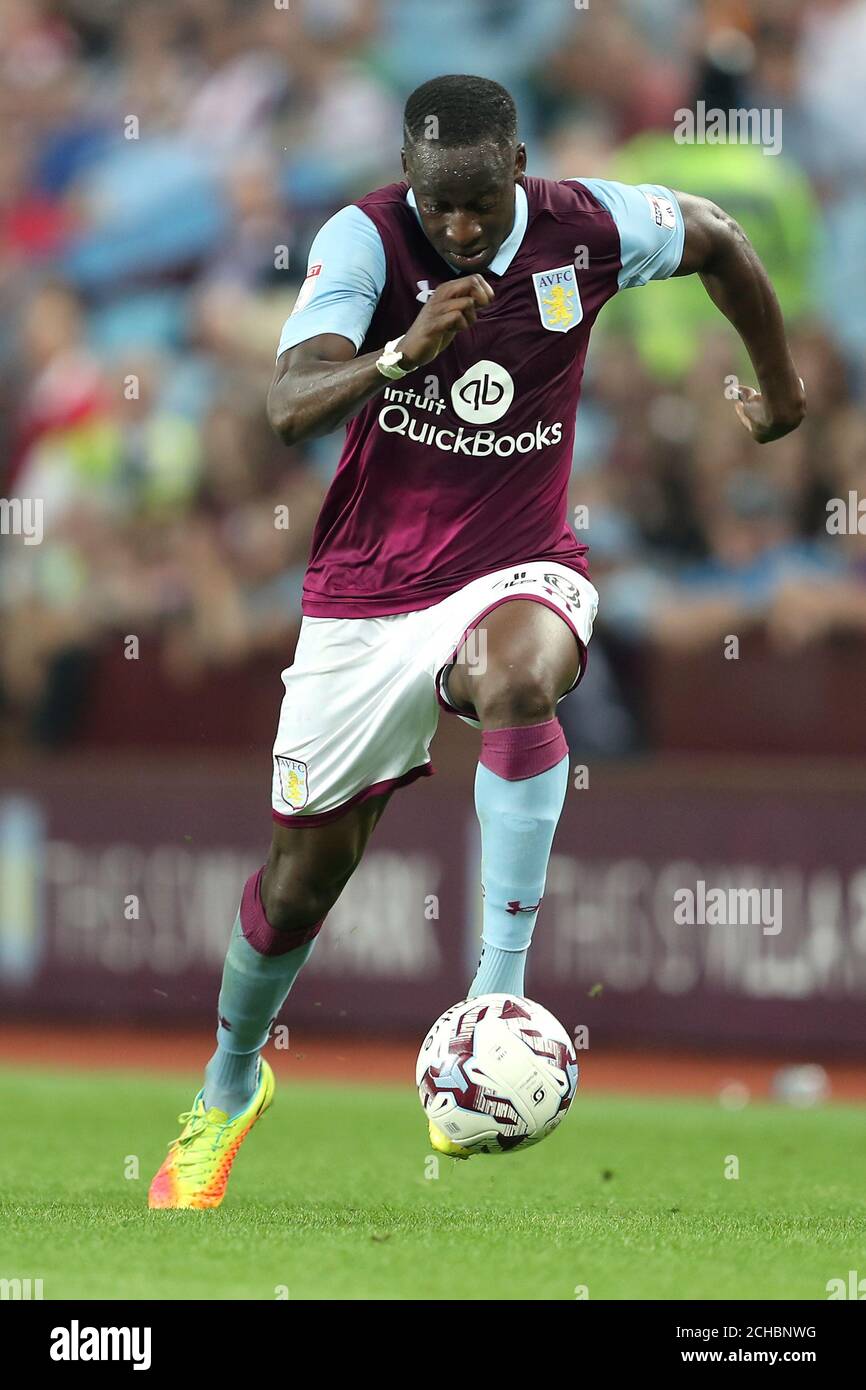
[(389, 362)]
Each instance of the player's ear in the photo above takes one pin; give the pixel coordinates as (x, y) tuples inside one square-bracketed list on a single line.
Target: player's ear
[(520, 161), (403, 161)]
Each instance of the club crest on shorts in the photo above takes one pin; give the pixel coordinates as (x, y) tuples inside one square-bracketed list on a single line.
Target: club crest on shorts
[(558, 298), (566, 587), (293, 782)]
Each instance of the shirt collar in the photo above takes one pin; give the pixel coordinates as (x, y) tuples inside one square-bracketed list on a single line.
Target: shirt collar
[(509, 248)]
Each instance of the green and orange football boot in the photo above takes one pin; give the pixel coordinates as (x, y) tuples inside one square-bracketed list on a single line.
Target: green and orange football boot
[(443, 1145), (196, 1171)]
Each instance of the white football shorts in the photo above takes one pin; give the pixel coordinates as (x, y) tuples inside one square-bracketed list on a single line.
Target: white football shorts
[(363, 695)]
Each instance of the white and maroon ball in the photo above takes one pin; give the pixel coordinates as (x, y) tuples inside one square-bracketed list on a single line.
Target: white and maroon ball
[(496, 1073)]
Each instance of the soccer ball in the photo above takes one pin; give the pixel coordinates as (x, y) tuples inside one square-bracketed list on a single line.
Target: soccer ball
[(496, 1073)]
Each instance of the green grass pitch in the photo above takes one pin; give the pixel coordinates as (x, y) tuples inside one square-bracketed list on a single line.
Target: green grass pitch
[(331, 1198)]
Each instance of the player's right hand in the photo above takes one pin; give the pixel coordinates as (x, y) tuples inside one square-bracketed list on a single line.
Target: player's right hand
[(450, 308)]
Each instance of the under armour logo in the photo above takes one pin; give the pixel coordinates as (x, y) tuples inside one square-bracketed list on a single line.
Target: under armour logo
[(424, 291), (515, 907)]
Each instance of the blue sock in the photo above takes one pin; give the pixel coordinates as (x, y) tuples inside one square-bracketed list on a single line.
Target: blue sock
[(518, 821), (254, 989), (499, 972)]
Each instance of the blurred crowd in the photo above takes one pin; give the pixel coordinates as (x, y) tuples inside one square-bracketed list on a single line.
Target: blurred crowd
[(163, 168)]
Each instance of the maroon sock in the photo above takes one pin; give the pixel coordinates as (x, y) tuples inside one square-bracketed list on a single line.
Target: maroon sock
[(525, 751), (268, 940)]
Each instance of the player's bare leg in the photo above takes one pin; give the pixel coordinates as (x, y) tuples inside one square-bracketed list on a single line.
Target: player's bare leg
[(531, 659), (308, 868), (282, 909)]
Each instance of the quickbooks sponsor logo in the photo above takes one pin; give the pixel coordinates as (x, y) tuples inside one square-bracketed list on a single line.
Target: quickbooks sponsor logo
[(77, 1343), (483, 394), (395, 419)]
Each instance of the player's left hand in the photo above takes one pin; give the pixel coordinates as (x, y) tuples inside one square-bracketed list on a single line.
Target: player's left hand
[(759, 420)]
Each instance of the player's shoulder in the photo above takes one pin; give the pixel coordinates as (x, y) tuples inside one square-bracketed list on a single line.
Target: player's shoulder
[(346, 223), (349, 238), (588, 194), (564, 211), (563, 197), (645, 219), (630, 203), (388, 210), (390, 194), (362, 218)]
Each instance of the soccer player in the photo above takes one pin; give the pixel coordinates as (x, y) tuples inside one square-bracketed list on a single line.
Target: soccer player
[(445, 320)]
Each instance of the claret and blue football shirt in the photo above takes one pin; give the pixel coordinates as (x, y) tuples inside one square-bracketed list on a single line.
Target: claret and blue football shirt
[(462, 467)]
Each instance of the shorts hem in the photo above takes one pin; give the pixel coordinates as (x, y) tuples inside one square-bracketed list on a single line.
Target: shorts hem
[(388, 784)]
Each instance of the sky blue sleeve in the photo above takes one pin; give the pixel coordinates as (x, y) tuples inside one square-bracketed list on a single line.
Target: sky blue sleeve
[(650, 225), (345, 277)]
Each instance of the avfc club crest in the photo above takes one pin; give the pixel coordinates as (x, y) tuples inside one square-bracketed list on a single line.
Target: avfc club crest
[(558, 298), (293, 782)]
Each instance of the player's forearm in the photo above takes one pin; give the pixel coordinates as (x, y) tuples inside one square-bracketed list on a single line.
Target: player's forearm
[(739, 286), (313, 398), (718, 250)]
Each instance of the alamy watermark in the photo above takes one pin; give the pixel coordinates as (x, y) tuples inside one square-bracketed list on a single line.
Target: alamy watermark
[(22, 516), (740, 126), (742, 907), (77, 1343), (846, 516), (21, 1289)]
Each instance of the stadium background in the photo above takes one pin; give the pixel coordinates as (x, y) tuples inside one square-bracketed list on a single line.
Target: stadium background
[(163, 169)]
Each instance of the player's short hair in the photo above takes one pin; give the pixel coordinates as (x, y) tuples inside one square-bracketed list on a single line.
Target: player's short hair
[(459, 111)]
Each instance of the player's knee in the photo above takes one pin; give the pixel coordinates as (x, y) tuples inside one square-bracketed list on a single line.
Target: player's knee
[(294, 899), (296, 913), (507, 697)]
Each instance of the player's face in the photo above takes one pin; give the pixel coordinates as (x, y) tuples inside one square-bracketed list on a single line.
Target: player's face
[(465, 201)]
